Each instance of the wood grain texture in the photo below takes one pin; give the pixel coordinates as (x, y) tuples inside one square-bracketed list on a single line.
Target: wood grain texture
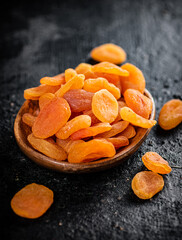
[(42, 39)]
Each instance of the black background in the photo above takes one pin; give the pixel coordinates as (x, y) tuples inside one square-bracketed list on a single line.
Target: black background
[(44, 38)]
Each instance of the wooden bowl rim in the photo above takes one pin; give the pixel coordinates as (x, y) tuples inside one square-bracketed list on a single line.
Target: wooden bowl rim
[(64, 166)]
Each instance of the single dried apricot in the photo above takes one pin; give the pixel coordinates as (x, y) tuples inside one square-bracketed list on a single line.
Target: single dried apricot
[(108, 52), (75, 82), (139, 103), (91, 131), (69, 73), (171, 114), (44, 99), (107, 67), (94, 119), (28, 119), (154, 162), (116, 128), (51, 118), (134, 80), (32, 201), (129, 132), (91, 150), (79, 99), (104, 106), (146, 184), (119, 141), (36, 92), (47, 147), (53, 81), (86, 69), (77, 123), (94, 85), (129, 115)]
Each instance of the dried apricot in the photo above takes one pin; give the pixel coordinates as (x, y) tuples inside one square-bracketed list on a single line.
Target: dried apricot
[(75, 82), (91, 131), (171, 114), (94, 119), (79, 99), (51, 118), (134, 80), (139, 103), (36, 92), (32, 201), (86, 69), (44, 99), (53, 81), (109, 52), (47, 147), (94, 85), (146, 184), (129, 132), (127, 114), (67, 144), (104, 106), (91, 150), (69, 73), (28, 119), (116, 128), (112, 78), (107, 67), (119, 141), (77, 123), (154, 162)]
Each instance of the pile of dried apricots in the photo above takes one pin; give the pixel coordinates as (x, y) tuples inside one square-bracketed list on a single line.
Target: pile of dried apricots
[(87, 113)]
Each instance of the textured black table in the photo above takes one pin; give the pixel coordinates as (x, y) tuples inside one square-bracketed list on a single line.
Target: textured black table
[(39, 39)]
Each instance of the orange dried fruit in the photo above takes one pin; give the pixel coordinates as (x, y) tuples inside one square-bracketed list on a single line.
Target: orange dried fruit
[(129, 115), (69, 73), (112, 78), (139, 103), (119, 141), (90, 151), (86, 69), (36, 92), (91, 131), (53, 81), (104, 106), (44, 99), (109, 52), (107, 67), (67, 144), (75, 124), (154, 162), (171, 114), (94, 119), (79, 100), (47, 147), (94, 85), (28, 119), (129, 132), (75, 82), (51, 118), (32, 201), (116, 128), (146, 184), (134, 80)]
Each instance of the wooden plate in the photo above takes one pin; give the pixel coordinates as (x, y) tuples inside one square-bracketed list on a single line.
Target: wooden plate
[(21, 132)]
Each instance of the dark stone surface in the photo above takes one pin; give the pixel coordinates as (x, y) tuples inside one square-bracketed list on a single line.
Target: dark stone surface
[(39, 39)]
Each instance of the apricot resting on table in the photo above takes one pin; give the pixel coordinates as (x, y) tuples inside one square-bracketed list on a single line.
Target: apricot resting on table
[(32, 201), (171, 114)]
